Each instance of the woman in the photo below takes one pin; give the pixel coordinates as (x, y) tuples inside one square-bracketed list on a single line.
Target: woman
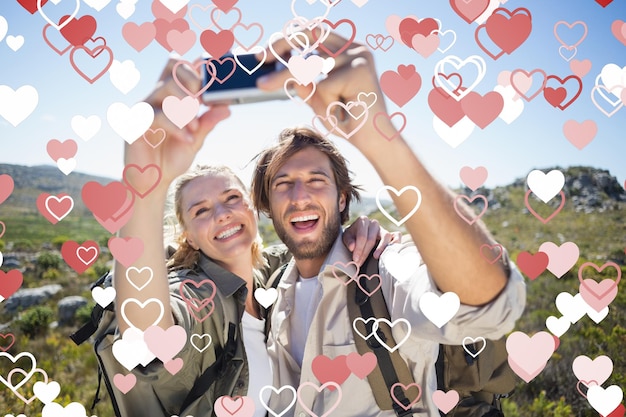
[(190, 357)]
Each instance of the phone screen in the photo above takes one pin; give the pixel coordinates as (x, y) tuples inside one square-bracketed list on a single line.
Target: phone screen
[(240, 86)]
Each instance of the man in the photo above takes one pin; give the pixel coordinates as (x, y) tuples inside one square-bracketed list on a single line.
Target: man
[(303, 184)]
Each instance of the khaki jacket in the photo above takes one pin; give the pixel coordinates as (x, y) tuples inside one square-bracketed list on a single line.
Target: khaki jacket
[(404, 280), (158, 393)]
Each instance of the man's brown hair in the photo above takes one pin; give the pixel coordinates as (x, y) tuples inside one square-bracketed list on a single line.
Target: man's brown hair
[(291, 141)]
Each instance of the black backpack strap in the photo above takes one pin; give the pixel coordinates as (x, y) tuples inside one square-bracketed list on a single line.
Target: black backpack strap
[(88, 329), (272, 282), (391, 368), (223, 357)]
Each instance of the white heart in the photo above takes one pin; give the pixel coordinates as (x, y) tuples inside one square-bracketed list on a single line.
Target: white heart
[(545, 186), (103, 296), (46, 392), (266, 297), (56, 410), (558, 326), (97, 4), (278, 392), (17, 105), (130, 123), (124, 75), (393, 325), (456, 134), (125, 10), (174, 5), (572, 307), (65, 22), (15, 42), (471, 340), (439, 309), (86, 127), (200, 336), (4, 27), (399, 193), (66, 166), (605, 401), (142, 305), (401, 265), (513, 107), (131, 350), (360, 319)]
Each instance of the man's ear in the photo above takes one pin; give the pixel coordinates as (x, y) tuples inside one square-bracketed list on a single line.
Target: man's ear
[(342, 202)]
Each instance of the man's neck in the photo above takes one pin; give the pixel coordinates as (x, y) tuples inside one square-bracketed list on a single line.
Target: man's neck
[(309, 268)]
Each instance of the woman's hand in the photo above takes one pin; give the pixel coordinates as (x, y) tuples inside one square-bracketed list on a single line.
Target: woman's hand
[(177, 151)]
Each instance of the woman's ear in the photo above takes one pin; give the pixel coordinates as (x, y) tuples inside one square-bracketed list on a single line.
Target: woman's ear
[(190, 241)]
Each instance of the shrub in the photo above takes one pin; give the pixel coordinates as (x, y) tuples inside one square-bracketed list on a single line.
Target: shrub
[(48, 260), (23, 245), (58, 241), (51, 274), (83, 314), (35, 321)]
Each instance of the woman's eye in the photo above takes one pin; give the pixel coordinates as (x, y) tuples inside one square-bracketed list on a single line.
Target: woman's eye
[(232, 198), (201, 210)]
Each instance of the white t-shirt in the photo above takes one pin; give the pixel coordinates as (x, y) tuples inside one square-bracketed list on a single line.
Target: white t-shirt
[(302, 315), (259, 363)]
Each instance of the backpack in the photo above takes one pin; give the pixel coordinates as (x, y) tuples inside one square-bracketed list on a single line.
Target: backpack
[(103, 323), (481, 380)]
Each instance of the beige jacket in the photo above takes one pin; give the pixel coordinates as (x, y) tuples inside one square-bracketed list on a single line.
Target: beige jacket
[(331, 333)]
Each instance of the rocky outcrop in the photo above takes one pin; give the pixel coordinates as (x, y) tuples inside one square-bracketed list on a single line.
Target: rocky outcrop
[(29, 297)]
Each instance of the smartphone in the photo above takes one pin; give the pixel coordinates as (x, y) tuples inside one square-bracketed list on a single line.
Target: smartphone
[(240, 87)]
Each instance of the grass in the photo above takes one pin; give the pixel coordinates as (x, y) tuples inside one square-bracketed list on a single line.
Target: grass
[(599, 236)]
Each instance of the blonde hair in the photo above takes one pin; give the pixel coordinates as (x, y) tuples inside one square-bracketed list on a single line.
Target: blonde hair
[(185, 256)]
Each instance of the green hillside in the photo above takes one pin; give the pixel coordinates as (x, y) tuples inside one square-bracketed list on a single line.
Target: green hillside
[(593, 217)]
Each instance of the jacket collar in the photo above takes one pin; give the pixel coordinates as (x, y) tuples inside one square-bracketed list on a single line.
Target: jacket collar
[(226, 282)]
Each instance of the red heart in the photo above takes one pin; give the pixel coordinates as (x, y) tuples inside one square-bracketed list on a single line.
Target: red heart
[(509, 33), (10, 282), (105, 201), (193, 302), (445, 107), (80, 257), (217, 44), (556, 96), (602, 3), (149, 176), (6, 187), (57, 149), (482, 110), (410, 27), (54, 207), (31, 5), (401, 86), (532, 265), (331, 370), (5, 337), (78, 31), (469, 10), (221, 74), (334, 26), (163, 27), (225, 5)]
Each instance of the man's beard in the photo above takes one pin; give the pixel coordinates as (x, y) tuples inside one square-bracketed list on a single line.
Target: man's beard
[(311, 249)]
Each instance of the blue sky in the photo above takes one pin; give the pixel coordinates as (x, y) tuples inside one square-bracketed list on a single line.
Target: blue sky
[(508, 151)]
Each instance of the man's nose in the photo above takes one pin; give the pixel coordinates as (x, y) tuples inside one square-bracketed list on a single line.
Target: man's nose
[(299, 194)]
